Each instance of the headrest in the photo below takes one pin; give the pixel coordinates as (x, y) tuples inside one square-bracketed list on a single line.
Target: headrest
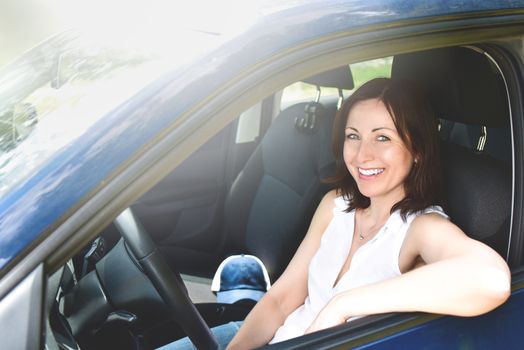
[(339, 78), (460, 82)]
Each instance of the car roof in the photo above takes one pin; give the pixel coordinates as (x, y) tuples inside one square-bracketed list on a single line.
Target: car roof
[(42, 201)]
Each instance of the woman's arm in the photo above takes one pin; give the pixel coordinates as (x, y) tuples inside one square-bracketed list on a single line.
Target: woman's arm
[(461, 277), (290, 290)]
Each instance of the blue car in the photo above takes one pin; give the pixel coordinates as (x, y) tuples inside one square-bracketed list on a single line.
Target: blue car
[(132, 165)]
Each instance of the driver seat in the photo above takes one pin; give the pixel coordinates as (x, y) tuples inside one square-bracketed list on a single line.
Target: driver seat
[(272, 200)]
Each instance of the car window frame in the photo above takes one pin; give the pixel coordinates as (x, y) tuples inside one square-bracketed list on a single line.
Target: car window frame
[(513, 73)]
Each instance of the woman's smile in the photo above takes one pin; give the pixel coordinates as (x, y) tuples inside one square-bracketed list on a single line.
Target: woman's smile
[(370, 173)]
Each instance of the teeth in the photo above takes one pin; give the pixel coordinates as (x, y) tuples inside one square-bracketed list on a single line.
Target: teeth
[(369, 172)]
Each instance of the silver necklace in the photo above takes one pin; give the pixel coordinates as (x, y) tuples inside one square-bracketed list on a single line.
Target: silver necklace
[(360, 235)]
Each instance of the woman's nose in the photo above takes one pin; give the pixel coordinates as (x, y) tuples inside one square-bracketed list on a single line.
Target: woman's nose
[(365, 151)]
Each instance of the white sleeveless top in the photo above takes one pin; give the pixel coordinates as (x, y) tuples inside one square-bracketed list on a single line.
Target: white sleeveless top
[(375, 261)]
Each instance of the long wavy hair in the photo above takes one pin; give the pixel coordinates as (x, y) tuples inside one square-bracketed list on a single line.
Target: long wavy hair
[(417, 127)]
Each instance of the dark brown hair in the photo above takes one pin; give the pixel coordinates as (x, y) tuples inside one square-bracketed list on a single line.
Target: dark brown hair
[(417, 127)]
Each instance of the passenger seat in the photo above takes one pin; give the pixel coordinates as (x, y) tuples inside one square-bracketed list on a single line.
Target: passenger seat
[(465, 88)]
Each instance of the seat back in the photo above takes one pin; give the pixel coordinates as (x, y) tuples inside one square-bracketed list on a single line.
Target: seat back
[(465, 88), (272, 200)]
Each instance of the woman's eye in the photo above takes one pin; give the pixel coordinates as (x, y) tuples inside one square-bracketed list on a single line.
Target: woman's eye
[(352, 137), (383, 138)]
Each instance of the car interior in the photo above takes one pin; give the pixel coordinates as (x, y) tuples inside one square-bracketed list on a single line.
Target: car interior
[(257, 197)]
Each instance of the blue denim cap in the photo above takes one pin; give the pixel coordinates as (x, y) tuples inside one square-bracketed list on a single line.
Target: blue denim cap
[(240, 277)]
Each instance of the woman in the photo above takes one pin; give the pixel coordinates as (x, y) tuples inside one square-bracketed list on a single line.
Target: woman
[(378, 243)]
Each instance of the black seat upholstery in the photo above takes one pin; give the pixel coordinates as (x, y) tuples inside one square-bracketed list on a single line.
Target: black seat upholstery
[(478, 189), (272, 200), (463, 87)]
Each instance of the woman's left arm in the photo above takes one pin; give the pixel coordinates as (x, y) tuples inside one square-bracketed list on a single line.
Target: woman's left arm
[(461, 276)]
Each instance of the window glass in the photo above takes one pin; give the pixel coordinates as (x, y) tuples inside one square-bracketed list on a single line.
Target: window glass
[(249, 124), (367, 70), (303, 92), (362, 72), (53, 93)]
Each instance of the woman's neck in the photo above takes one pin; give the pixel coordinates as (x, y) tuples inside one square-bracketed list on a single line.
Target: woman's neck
[(380, 208)]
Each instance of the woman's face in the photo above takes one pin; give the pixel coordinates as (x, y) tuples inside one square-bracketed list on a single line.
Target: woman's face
[(374, 153)]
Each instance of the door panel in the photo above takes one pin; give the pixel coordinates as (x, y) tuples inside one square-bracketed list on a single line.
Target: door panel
[(186, 206), (499, 329)]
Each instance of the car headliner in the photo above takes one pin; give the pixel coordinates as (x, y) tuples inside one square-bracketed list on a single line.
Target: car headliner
[(55, 190)]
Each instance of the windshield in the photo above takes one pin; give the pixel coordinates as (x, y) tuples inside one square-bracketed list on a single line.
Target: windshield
[(56, 91)]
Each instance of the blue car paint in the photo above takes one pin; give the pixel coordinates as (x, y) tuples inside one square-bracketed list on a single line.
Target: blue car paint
[(463, 333)]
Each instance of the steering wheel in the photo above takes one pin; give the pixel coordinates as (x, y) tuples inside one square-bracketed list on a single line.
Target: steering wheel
[(171, 289)]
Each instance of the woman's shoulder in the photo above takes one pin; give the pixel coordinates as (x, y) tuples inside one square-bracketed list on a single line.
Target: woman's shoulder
[(333, 204), (428, 227), (431, 217), (426, 216), (328, 203), (434, 209), (331, 195), (339, 203)]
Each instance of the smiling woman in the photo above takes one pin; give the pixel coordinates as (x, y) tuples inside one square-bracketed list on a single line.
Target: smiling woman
[(385, 199)]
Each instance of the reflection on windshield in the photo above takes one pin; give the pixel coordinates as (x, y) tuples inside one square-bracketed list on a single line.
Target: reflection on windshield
[(55, 92), (16, 124)]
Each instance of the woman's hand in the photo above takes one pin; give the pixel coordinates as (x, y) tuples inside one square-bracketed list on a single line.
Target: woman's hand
[(329, 316)]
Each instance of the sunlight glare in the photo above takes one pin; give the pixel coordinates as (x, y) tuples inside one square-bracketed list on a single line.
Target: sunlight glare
[(161, 25)]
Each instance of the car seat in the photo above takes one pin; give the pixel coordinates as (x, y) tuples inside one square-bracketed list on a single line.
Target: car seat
[(272, 200), (463, 87)]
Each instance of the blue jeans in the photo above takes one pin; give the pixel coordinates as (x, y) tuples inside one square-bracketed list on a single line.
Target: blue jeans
[(224, 334)]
